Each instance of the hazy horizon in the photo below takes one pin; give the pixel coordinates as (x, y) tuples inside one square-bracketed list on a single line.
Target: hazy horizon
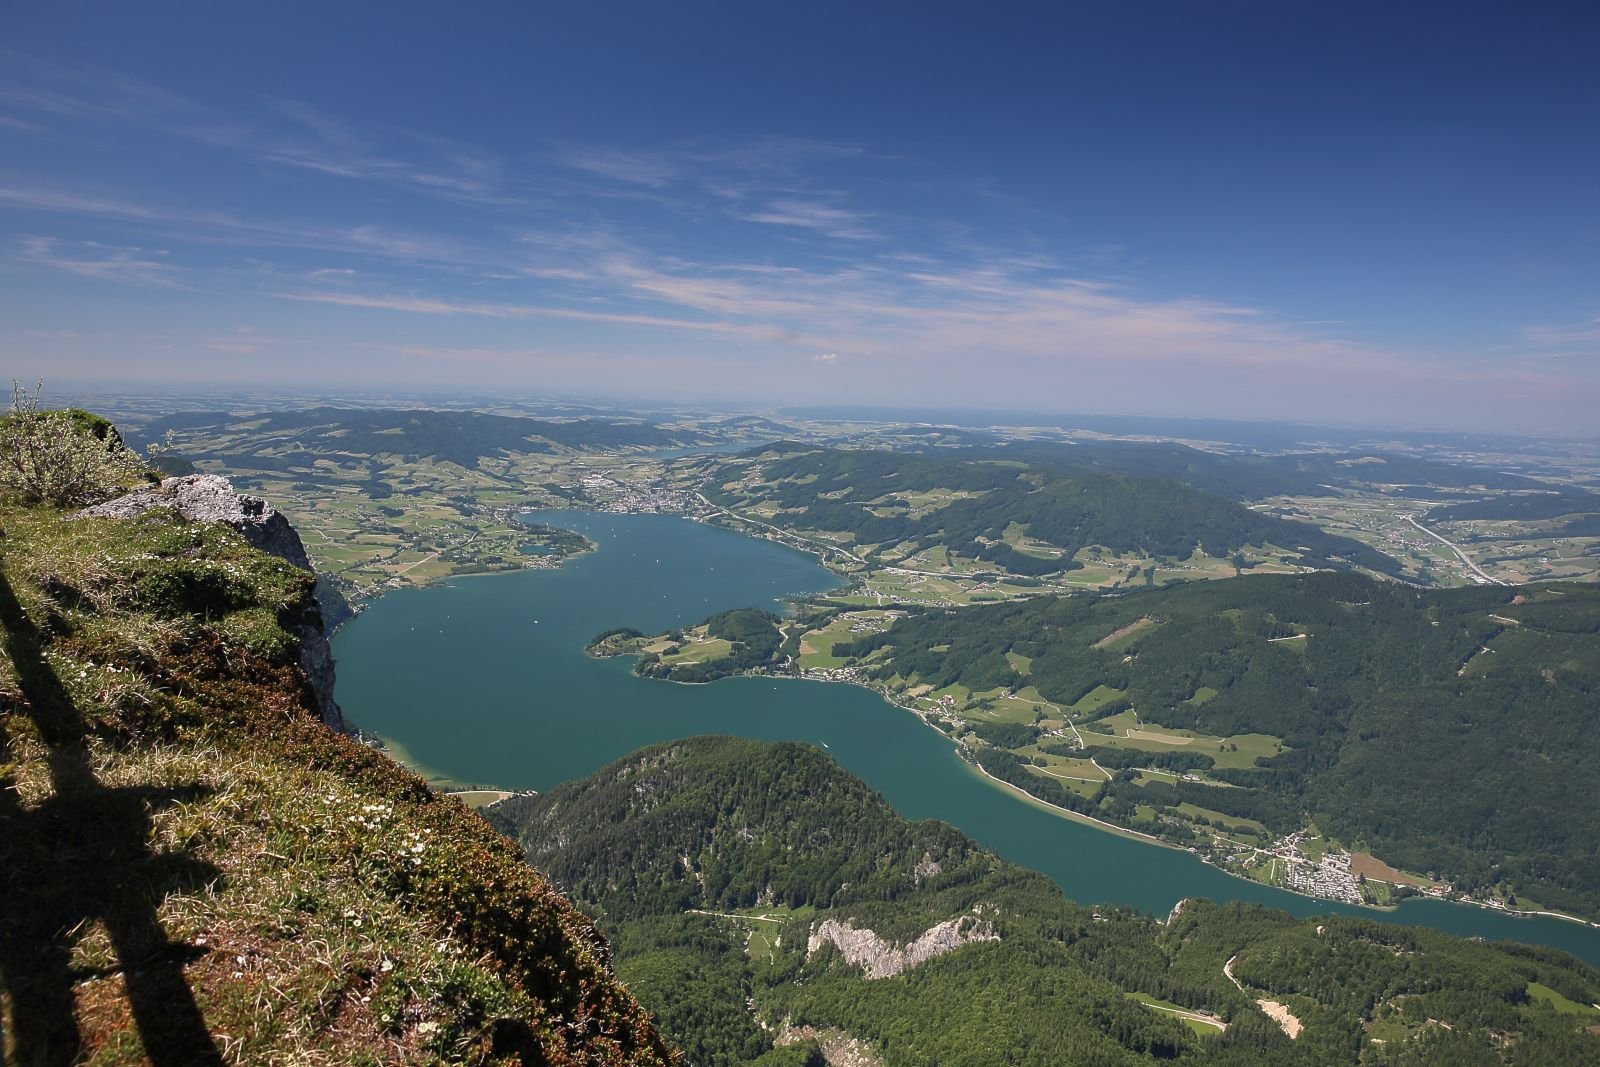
[(1366, 216)]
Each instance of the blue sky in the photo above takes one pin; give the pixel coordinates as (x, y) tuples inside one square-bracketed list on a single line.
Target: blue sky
[(1384, 213)]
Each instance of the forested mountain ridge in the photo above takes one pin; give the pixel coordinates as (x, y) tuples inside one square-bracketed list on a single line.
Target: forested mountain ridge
[(722, 867), (1026, 520), (1521, 506), (1255, 476), (1448, 731), (465, 438)]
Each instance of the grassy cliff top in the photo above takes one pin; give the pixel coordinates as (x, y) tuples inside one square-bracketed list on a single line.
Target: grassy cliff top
[(195, 870)]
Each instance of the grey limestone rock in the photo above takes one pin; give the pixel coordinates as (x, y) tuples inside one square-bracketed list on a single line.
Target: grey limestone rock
[(880, 959), (212, 498)]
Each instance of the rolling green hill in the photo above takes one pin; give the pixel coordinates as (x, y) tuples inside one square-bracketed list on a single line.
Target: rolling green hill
[(1023, 519), (751, 888), (1448, 731)]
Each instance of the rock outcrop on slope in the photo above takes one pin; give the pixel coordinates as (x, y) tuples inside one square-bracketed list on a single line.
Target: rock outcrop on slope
[(212, 498), (878, 958)]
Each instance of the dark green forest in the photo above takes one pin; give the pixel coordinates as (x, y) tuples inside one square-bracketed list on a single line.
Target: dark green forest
[(1449, 731), (1255, 476), (1524, 507), (720, 825), (1066, 507)]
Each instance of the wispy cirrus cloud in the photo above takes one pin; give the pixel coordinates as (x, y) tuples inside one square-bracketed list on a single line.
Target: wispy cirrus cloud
[(285, 133), (419, 305), (308, 139), (763, 162), (91, 259), (416, 305), (75, 204), (811, 215), (36, 87), (634, 168), (1581, 338), (766, 180), (209, 227), (884, 317), (515, 358)]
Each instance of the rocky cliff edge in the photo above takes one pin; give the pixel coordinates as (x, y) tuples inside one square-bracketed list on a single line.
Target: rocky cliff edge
[(212, 498), (197, 870)]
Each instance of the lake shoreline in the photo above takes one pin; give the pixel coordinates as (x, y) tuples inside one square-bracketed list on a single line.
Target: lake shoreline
[(1102, 825), (1124, 831), (550, 721), (1018, 793)]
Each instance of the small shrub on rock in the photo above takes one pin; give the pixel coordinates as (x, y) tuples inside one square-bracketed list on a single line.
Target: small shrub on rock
[(63, 457)]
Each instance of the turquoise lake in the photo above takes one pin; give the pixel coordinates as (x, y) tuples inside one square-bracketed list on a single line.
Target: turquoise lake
[(484, 680)]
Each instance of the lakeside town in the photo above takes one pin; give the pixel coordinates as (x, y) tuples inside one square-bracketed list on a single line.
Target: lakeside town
[(602, 492)]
